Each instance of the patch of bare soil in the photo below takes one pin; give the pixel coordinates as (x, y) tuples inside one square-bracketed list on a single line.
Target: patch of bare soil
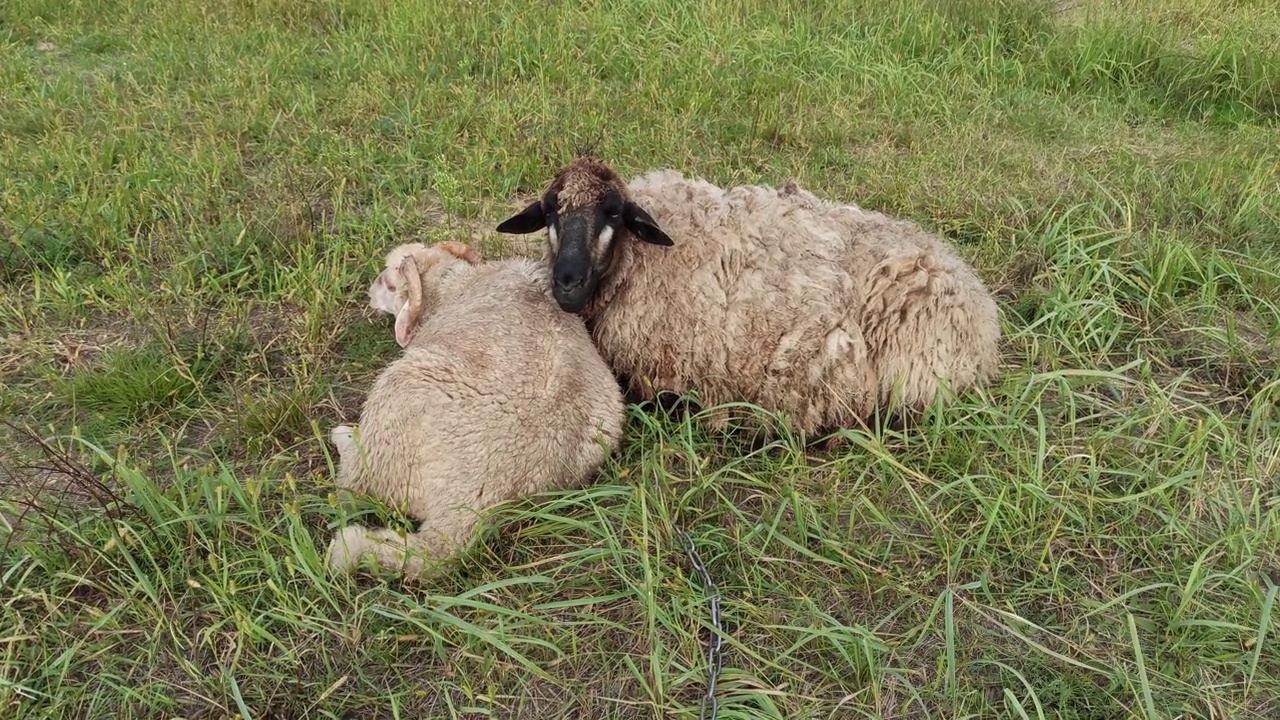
[(41, 481), (68, 348)]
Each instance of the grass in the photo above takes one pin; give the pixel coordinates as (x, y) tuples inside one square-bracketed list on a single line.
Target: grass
[(194, 198)]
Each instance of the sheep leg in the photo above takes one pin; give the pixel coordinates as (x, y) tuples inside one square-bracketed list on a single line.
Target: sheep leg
[(344, 441), (346, 549), (415, 554)]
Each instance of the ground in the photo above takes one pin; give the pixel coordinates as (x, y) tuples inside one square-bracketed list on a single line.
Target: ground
[(195, 196)]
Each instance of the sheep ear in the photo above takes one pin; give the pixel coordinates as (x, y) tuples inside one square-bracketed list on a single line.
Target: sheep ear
[(530, 219), (460, 251), (411, 311), (643, 226)]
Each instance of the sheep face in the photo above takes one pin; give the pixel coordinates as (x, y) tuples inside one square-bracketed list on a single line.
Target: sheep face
[(587, 213), (398, 290), (387, 293)]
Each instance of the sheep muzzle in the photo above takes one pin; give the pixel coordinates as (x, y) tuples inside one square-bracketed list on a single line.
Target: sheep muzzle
[(575, 272)]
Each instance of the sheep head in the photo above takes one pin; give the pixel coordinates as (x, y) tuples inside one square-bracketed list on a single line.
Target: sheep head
[(398, 289), (587, 211)]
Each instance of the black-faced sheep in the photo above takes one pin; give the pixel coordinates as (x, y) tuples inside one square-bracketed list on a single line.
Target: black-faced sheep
[(819, 311), (499, 394)]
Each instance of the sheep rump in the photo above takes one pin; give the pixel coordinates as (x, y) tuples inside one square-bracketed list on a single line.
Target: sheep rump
[(821, 312), (499, 394)]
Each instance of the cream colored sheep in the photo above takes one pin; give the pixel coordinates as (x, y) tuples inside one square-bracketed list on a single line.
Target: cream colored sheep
[(818, 311), (498, 395)]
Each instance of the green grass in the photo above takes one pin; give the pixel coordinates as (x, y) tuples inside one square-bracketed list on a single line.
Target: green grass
[(194, 198)]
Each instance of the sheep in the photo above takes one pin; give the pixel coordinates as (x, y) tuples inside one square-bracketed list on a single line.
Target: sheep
[(498, 395), (819, 312)]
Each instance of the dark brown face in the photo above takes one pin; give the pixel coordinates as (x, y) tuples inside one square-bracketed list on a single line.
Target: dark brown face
[(583, 233)]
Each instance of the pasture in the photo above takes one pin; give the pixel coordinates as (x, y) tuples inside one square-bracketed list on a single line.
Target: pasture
[(194, 198)]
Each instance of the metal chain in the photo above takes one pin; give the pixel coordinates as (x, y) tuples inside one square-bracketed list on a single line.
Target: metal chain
[(715, 660)]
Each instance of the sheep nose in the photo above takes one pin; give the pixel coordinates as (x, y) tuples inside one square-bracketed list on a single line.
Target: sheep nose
[(569, 280)]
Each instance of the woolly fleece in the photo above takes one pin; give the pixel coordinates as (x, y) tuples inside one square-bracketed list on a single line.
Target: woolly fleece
[(498, 395), (816, 310)]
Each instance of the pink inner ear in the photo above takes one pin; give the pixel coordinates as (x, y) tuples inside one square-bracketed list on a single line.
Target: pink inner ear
[(402, 326)]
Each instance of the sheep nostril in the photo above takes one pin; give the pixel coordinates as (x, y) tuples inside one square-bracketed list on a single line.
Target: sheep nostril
[(568, 280)]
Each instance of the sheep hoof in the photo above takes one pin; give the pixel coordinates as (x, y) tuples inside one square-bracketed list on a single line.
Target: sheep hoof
[(345, 550)]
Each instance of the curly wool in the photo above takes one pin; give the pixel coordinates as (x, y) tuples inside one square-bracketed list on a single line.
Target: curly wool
[(498, 395), (819, 311)]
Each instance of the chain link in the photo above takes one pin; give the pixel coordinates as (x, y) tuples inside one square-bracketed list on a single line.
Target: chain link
[(715, 658)]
